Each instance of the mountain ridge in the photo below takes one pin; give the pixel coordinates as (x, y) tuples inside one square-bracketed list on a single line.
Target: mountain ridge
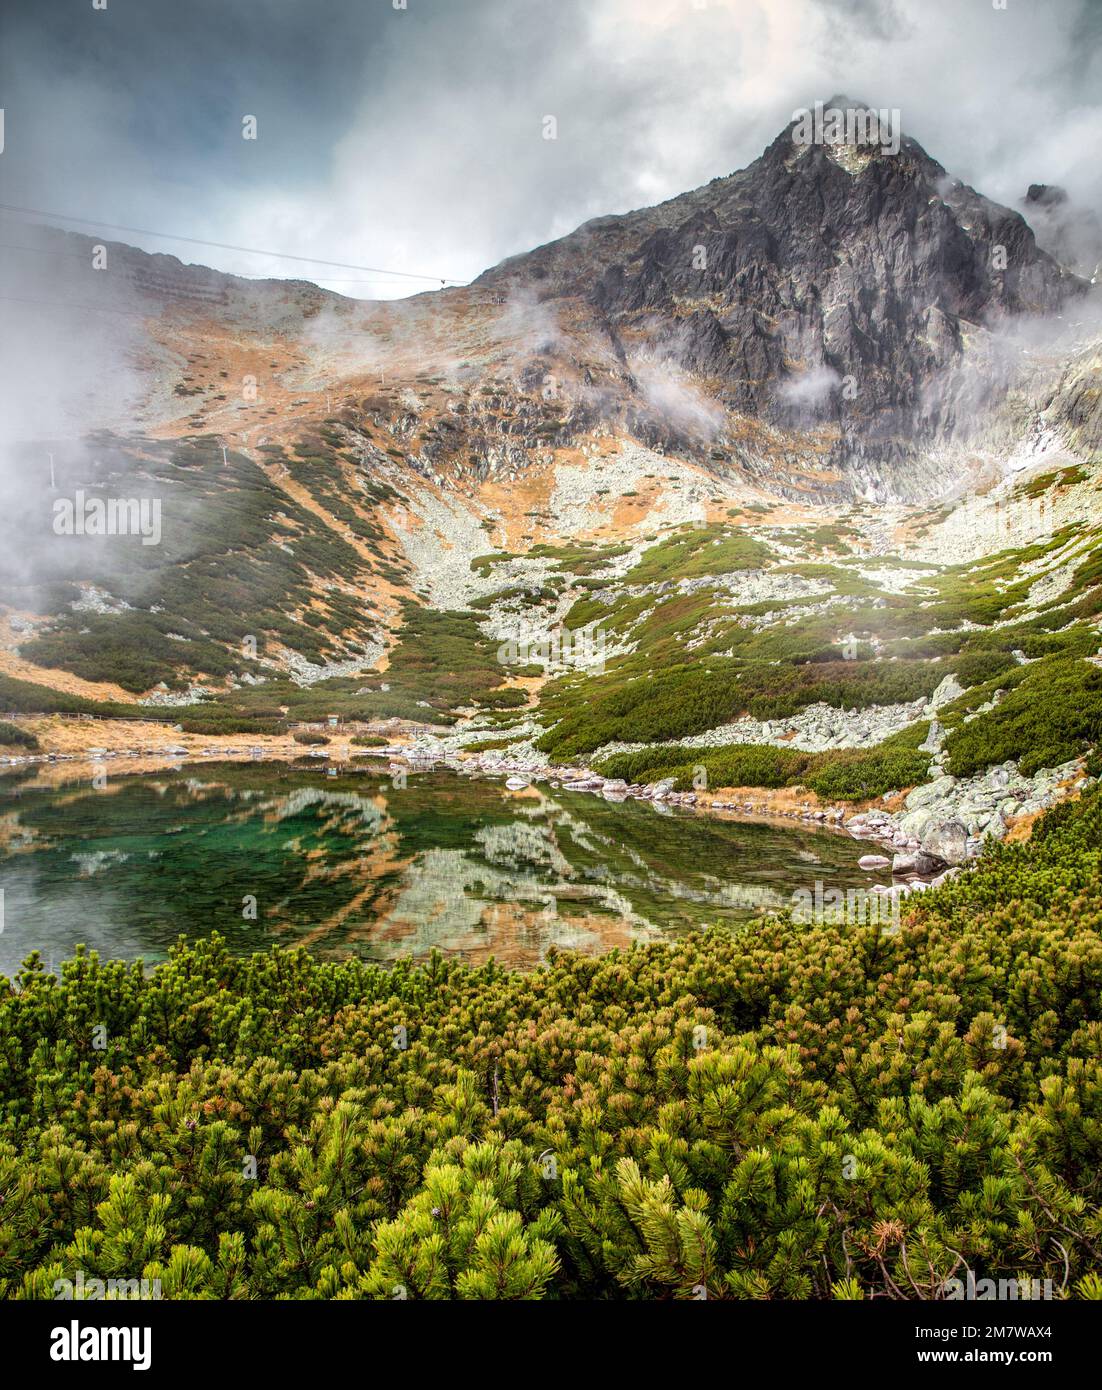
[(391, 452)]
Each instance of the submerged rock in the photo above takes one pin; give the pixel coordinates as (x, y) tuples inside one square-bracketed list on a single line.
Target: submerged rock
[(920, 862)]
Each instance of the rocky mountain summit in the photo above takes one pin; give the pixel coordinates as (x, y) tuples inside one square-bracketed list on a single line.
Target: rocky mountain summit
[(842, 318), (804, 463), (829, 288)]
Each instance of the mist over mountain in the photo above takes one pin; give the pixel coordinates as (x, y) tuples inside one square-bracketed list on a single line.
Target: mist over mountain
[(841, 322), (765, 291), (1070, 232), (825, 321), (551, 663)]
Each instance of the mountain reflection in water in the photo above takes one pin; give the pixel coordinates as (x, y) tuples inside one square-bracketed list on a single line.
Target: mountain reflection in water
[(352, 864)]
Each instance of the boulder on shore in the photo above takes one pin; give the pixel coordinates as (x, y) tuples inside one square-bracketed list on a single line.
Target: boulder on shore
[(948, 840)]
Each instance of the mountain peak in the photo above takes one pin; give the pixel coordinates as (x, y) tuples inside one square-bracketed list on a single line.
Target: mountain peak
[(845, 129), (828, 286)]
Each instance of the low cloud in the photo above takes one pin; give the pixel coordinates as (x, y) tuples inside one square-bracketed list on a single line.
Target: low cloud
[(415, 140), (808, 394), (676, 399)]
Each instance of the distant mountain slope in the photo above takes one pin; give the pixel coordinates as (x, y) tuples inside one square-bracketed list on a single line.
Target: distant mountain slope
[(832, 325), (770, 288), (831, 307)]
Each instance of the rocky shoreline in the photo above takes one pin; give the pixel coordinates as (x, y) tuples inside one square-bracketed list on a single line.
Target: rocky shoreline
[(940, 826), (937, 828)]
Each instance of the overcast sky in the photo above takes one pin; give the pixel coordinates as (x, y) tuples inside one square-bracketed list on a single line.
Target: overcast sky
[(412, 139)]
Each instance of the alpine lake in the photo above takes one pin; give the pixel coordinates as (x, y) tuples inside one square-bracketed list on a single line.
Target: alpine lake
[(357, 860)]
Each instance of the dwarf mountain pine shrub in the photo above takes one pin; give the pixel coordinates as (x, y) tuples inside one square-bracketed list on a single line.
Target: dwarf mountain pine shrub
[(787, 1110)]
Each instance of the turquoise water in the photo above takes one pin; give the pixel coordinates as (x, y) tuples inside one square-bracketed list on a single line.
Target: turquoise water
[(348, 862)]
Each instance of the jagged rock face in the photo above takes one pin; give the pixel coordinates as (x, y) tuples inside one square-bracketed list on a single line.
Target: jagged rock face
[(1075, 404), (822, 287), (818, 324)]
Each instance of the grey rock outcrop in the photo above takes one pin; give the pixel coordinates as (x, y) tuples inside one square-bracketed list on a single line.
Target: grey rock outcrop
[(850, 260), (948, 840)]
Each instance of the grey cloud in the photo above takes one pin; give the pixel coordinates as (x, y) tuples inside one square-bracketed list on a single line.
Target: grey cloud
[(413, 139)]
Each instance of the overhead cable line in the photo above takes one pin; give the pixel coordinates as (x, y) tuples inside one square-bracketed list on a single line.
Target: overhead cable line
[(229, 246)]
